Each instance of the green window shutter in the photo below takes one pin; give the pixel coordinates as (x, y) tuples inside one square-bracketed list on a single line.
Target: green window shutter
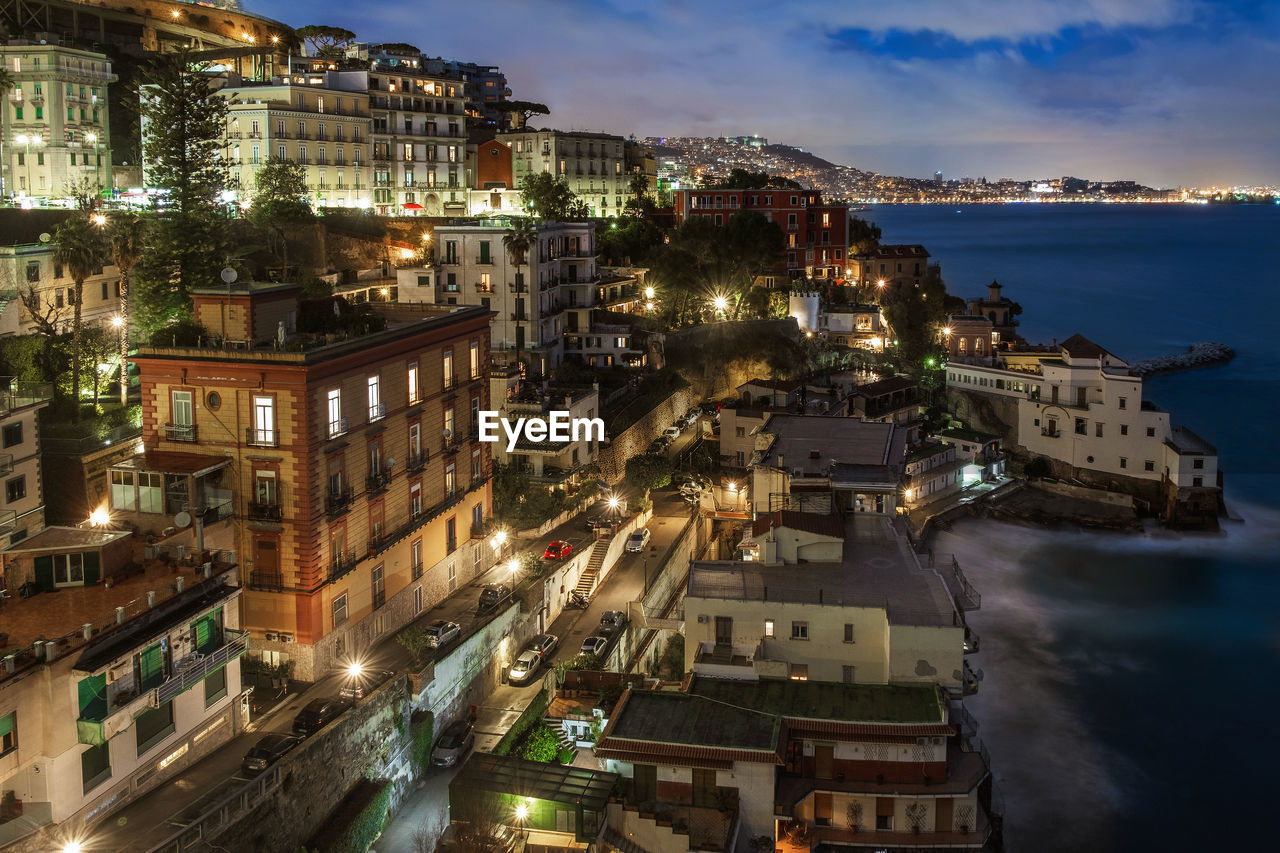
[(151, 666), (92, 559), (93, 697), (44, 572), (6, 725)]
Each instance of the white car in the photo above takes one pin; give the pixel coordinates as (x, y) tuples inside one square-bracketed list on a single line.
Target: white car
[(524, 667), (672, 432), (638, 540), (594, 645)]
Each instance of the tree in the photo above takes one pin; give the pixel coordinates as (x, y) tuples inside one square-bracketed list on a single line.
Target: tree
[(184, 122), (416, 641), (279, 201), (649, 471), (540, 745), (914, 313), (325, 40), (126, 239), (78, 246), (522, 111), (863, 236), (627, 240), (544, 195)]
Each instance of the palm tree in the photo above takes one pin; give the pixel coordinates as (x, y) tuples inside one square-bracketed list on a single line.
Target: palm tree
[(78, 246), (518, 241), (125, 237)]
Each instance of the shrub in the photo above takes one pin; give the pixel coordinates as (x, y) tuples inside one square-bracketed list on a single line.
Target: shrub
[(422, 725), (540, 745), (566, 755)]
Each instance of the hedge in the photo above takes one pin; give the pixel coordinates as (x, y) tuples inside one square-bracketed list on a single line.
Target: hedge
[(529, 718), (358, 820), (421, 726)]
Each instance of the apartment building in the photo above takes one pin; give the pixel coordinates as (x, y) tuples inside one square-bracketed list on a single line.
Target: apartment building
[(22, 513), (817, 234), (999, 309), (933, 472), (594, 164), (970, 336), (340, 449), (806, 765), (116, 677), (318, 119), (825, 464), (842, 324), (28, 271), (558, 464), (1082, 409), (56, 120), (543, 306), (908, 262)]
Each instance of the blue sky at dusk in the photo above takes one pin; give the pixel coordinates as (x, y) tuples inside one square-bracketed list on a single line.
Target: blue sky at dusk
[(1161, 91)]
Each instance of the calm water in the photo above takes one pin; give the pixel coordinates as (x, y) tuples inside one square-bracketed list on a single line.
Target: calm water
[(1131, 681)]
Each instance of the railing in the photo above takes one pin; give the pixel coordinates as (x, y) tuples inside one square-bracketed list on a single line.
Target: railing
[(342, 564), (336, 502), (193, 669), (180, 432), (376, 483), (8, 519), (260, 437), (265, 511), (416, 461)]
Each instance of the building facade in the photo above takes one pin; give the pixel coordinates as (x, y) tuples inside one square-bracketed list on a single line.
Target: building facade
[(346, 462), (594, 164), (22, 513), (56, 121), (30, 278), (320, 120)]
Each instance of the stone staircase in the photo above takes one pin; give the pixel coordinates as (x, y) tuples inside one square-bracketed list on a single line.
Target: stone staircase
[(557, 725), (587, 583)]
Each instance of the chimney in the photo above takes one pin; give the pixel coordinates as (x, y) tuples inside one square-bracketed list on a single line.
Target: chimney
[(180, 584), (10, 664), (119, 615), (993, 291), (151, 598), (86, 630)]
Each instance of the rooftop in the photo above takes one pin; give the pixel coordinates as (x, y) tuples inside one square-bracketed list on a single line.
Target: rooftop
[(821, 700), (555, 783), (1184, 441), (809, 522), (969, 435), (900, 251), (924, 451), (797, 438), (65, 539), (886, 386), (691, 720), (877, 569)]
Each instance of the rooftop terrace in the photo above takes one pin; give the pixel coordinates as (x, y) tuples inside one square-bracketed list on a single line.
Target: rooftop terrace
[(819, 700)]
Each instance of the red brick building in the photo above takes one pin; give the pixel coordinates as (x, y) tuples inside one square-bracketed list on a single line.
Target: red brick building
[(493, 165), (343, 464), (817, 234)]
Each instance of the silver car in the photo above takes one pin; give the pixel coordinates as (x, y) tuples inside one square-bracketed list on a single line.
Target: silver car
[(544, 644), (637, 541), (594, 645), (441, 633), (453, 744), (524, 668)]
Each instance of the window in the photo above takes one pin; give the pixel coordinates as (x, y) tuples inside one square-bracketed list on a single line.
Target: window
[(848, 632), (15, 489), (1151, 432), (451, 535), (95, 766), (417, 599), (415, 559), (1082, 428), (799, 630), (415, 500), (415, 444), (1195, 463), (376, 409), (448, 369), (476, 464), (150, 492), (1123, 401), (799, 672), (183, 417), (769, 629), (1148, 465), (154, 726), (1197, 481), (215, 686), (379, 586), (339, 610), (68, 569), (1097, 430), (8, 733), (1124, 463), (336, 425), (413, 382), (475, 359), (12, 434), (122, 490), (264, 420), (1124, 429)]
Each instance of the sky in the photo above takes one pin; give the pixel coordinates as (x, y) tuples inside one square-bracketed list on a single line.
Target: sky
[(1165, 92)]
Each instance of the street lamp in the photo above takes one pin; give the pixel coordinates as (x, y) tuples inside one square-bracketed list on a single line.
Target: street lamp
[(648, 293), (100, 517), (513, 566)]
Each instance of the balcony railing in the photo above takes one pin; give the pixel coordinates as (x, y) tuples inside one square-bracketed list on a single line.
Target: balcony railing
[(377, 483), (342, 564), (416, 461), (261, 437), (337, 502), (193, 669), (265, 511), (180, 432)]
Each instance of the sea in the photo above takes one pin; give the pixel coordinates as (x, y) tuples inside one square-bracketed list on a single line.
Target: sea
[(1130, 682)]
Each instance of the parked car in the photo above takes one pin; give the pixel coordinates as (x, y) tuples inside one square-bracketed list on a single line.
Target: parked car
[(493, 594), (317, 714), (267, 751), (597, 522), (594, 645), (656, 446), (453, 744), (441, 633), (524, 667), (612, 620), (356, 687), (672, 432), (558, 550), (638, 540), (544, 644)]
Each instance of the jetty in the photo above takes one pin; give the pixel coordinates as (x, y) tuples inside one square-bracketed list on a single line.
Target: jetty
[(1199, 354)]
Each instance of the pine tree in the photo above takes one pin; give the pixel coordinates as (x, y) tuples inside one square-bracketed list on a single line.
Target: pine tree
[(184, 128)]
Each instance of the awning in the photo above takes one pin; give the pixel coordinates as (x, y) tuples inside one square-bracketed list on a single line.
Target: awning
[(174, 462), (411, 206)]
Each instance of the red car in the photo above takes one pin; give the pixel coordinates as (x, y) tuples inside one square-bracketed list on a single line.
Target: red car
[(558, 550)]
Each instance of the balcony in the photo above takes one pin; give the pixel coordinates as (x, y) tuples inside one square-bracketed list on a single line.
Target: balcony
[(261, 437), (180, 432), (377, 483), (377, 411), (337, 502), (193, 669), (265, 511), (416, 462), (342, 565), (485, 260)]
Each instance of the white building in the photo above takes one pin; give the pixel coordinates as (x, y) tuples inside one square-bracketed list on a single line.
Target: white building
[(29, 273), (594, 164), (1083, 409), (22, 512)]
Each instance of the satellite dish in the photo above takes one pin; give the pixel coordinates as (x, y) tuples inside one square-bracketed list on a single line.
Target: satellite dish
[(448, 433), (45, 236), (229, 275), (182, 519)]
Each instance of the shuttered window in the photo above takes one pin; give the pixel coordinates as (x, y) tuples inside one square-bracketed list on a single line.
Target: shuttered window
[(93, 697), (207, 632), (151, 667)]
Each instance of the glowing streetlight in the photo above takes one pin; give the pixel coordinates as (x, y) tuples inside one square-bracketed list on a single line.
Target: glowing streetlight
[(176, 14), (513, 566), (648, 293), (100, 517), (73, 847), (384, 291), (613, 502), (880, 283), (91, 138), (275, 39), (117, 321), (906, 493), (99, 219), (947, 331), (522, 812), (354, 669), (648, 306), (720, 303), (426, 238), (499, 539)]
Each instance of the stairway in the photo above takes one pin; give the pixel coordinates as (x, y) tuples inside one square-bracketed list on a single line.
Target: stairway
[(557, 725), (587, 583)]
